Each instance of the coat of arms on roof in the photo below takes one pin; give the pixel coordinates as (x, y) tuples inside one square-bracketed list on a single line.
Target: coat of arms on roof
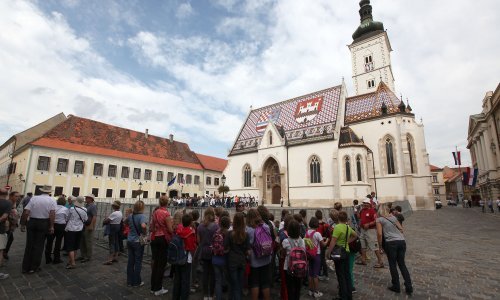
[(270, 115), (308, 109)]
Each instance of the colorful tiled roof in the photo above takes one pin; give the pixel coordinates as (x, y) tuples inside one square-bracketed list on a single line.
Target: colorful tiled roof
[(92, 137), (212, 163), (367, 106), (311, 115), (349, 138)]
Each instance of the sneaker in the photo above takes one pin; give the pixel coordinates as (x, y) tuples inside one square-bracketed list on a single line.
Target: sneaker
[(138, 285), (317, 294), (161, 292), (4, 275), (354, 290), (310, 293)]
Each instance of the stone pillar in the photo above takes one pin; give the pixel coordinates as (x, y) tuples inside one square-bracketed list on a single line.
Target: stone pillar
[(479, 154), (489, 152), (486, 153)]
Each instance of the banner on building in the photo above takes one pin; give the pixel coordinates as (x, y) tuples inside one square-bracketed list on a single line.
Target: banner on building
[(456, 157)]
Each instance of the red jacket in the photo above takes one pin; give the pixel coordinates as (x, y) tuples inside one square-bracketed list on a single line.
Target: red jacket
[(189, 237)]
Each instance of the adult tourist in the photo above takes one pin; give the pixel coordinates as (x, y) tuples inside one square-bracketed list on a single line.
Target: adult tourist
[(490, 205), (87, 240), (114, 220), (395, 247), (13, 222), (238, 245), (219, 260), (368, 234), (260, 263), (77, 216), (26, 200), (325, 230), (342, 235), (293, 241), (161, 233), (41, 213), (5, 208), (206, 231), (264, 214), (136, 222), (62, 214)]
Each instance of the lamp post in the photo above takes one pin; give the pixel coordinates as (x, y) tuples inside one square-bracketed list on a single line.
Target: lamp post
[(223, 180), (139, 192)]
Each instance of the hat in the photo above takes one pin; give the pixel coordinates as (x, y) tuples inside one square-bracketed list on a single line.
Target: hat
[(116, 203), (78, 201), (90, 196), (367, 201), (46, 189)]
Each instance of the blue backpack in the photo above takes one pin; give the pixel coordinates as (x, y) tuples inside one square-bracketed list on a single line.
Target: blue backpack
[(176, 253)]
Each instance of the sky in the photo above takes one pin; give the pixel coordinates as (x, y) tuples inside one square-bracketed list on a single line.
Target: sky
[(194, 68)]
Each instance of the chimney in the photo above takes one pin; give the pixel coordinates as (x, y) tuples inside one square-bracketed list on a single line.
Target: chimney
[(171, 138), (147, 133)]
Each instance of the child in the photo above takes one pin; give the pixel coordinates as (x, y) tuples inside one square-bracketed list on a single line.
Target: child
[(293, 283), (315, 261), (182, 272), (219, 261)]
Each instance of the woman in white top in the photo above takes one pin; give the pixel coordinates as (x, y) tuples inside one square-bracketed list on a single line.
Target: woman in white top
[(62, 214), (114, 220), (76, 218)]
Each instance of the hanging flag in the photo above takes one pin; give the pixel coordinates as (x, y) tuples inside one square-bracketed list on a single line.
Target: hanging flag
[(456, 157), (473, 177), (465, 177), (172, 181)]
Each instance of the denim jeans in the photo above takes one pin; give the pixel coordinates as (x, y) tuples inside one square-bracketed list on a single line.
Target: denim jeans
[(134, 265), (396, 256), (236, 278), (181, 285), (208, 278), (219, 280)]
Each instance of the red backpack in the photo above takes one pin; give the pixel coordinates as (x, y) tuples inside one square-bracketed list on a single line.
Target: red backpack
[(218, 243), (311, 246), (297, 261)]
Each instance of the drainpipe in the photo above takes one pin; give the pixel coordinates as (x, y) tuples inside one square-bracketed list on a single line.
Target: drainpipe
[(10, 165)]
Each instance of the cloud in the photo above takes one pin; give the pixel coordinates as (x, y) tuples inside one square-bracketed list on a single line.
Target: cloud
[(184, 11)]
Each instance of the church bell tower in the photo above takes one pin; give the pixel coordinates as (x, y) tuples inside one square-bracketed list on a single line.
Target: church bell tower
[(370, 53)]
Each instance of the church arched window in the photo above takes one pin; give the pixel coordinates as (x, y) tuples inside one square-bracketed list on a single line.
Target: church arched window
[(389, 153), (347, 168), (247, 176), (358, 168), (411, 152), (270, 138), (370, 82), (315, 170)]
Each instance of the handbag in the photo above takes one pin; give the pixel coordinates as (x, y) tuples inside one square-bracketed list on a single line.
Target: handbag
[(339, 252), (143, 238)]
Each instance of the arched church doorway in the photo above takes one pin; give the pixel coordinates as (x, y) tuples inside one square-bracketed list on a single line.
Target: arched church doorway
[(272, 181), (173, 193)]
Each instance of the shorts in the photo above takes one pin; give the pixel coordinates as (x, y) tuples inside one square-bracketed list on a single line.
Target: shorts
[(368, 239), (72, 240), (3, 240), (259, 277), (314, 266)]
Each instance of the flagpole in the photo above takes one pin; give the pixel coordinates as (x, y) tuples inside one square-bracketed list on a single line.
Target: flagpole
[(459, 159)]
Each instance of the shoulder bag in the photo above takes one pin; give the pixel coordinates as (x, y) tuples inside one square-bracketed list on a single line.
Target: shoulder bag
[(143, 238), (339, 252)]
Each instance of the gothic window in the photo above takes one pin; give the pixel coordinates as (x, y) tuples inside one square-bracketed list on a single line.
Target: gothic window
[(371, 83), (389, 152), (315, 170), (368, 63), (411, 152), (358, 168), (347, 169), (247, 176), (270, 138)]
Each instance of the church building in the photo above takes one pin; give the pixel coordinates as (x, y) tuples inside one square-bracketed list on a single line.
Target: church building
[(324, 147)]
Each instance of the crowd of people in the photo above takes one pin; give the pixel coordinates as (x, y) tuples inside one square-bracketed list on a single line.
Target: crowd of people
[(244, 255), (214, 201)]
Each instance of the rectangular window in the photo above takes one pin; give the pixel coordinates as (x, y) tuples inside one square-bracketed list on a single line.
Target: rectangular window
[(159, 176), (95, 192), (145, 194), (43, 163), (137, 173), (157, 195), (112, 171), (12, 168), (98, 169), (122, 193), (189, 179), (216, 181), (125, 171), (208, 180), (109, 193), (436, 191), (78, 167), (58, 191), (147, 174), (75, 192), (180, 178), (170, 176), (434, 178), (62, 165), (196, 179)]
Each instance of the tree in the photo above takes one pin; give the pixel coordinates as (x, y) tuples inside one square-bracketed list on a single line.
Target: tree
[(223, 189)]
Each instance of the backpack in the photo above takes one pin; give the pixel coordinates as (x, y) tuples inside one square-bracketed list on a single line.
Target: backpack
[(263, 243), (176, 253), (297, 261), (311, 247), (218, 243)]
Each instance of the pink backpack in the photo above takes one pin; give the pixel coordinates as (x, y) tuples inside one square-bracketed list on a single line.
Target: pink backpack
[(218, 243), (263, 243), (311, 246), (297, 261)]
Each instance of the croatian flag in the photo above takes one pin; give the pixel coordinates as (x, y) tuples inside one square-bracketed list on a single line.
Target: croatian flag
[(456, 157), (473, 176), (172, 181)]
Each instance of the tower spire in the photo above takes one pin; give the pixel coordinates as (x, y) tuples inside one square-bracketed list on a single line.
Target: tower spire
[(367, 24)]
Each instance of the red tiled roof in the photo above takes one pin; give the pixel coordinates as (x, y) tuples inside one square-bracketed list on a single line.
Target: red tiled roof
[(369, 105), (92, 137), (434, 168), (212, 163)]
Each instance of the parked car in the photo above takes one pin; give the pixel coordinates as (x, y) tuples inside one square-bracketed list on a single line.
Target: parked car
[(438, 204)]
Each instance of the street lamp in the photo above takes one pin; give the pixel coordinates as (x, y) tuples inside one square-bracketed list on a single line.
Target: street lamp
[(223, 180), (139, 192)]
